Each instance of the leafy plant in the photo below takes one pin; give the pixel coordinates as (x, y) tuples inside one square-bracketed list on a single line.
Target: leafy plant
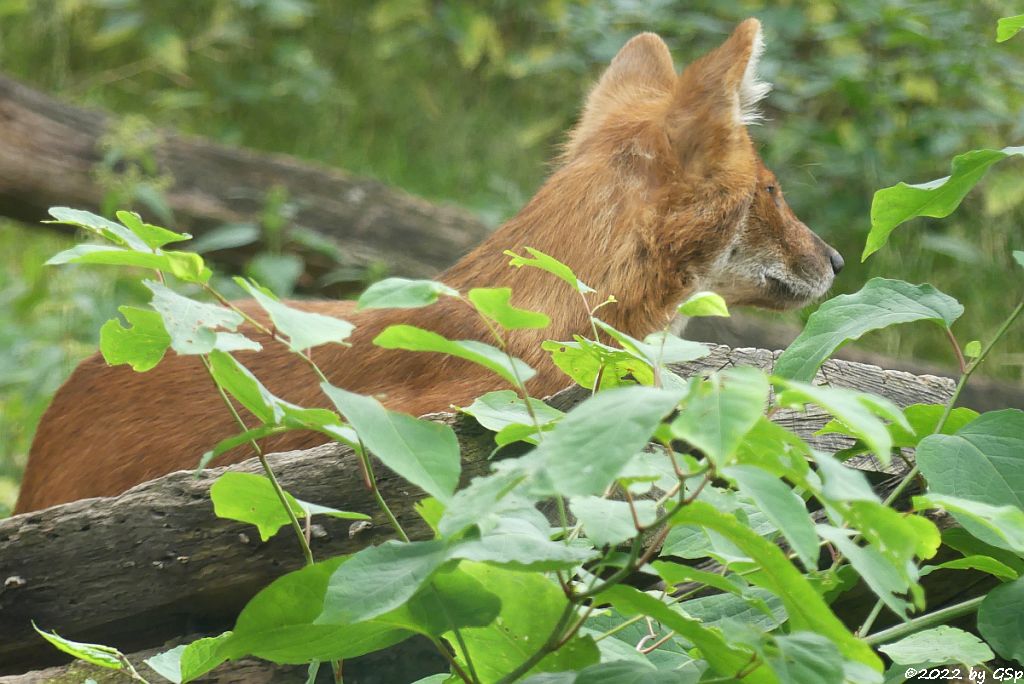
[(648, 472)]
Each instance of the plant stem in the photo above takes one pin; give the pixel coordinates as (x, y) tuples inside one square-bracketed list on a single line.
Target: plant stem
[(371, 481), (939, 617), (278, 490), (968, 371), (870, 619)]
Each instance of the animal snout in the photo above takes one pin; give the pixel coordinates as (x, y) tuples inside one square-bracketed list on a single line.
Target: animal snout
[(836, 259)]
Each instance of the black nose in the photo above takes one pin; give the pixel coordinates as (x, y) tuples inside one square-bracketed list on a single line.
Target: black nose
[(837, 261)]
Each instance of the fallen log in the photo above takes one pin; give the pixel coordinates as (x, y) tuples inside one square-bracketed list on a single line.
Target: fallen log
[(154, 563), (49, 151)]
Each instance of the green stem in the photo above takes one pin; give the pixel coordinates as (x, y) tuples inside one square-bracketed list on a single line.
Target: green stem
[(971, 367), (939, 617), (278, 490), (371, 480), (964, 377)]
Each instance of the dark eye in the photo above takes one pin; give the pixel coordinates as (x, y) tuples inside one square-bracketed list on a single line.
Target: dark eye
[(770, 189)]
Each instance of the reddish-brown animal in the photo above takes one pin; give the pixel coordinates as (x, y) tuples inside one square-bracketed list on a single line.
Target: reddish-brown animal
[(659, 193)]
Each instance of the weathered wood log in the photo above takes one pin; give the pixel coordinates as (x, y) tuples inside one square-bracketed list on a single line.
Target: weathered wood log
[(49, 151), (140, 568)]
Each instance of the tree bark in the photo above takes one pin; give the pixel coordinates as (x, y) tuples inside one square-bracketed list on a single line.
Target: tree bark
[(49, 151), (140, 568)]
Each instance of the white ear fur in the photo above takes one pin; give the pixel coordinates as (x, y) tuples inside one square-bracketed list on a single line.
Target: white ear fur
[(752, 90)]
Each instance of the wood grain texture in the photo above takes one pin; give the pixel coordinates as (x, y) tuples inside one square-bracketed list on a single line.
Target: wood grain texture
[(140, 568)]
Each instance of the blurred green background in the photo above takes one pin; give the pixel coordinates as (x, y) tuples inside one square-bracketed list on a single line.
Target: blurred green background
[(465, 102)]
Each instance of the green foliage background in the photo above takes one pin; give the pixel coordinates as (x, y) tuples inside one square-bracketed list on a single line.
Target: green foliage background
[(466, 101)]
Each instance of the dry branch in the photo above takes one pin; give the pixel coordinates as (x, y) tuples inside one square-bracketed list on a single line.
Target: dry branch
[(140, 568), (49, 151)]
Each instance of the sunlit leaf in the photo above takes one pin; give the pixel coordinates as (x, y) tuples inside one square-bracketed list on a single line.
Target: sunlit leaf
[(938, 198), (411, 338), (403, 293), (1008, 27), (493, 302), (704, 304), (251, 498), (551, 265), (141, 344)]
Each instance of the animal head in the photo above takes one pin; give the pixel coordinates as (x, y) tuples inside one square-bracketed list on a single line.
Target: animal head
[(690, 180)]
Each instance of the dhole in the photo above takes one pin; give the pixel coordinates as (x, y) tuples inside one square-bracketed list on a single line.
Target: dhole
[(659, 192)]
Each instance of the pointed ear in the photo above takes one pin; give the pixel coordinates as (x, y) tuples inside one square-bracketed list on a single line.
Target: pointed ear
[(727, 77), (642, 68)]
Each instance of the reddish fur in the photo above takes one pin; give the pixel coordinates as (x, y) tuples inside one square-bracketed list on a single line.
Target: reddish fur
[(657, 182)]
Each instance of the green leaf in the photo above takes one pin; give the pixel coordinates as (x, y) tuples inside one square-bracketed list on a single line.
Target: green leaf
[(807, 658), (842, 483), (453, 599), (807, 610), (938, 198), (304, 329), (518, 544), (423, 452), (720, 410), (239, 382), (379, 579), (114, 232), (97, 654), (966, 543), (924, 418), (154, 236), (783, 507), (589, 447), (890, 583), (411, 338), (1001, 526), (141, 344), (188, 661), (493, 302), (229, 443), (939, 646), (193, 326), (607, 522), (168, 663), (981, 462), (184, 265), (1008, 27), (521, 627), (704, 304), (403, 293), (1018, 256), (278, 625), (658, 348), (972, 349), (1001, 620), (108, 255), (585, 361), (250, 498), (677, 573), (724, 658), (226, 236), (858, 411), (279, 272), (879, 304), (503, 409), (897, 536), (551, 265), (982, 563)]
